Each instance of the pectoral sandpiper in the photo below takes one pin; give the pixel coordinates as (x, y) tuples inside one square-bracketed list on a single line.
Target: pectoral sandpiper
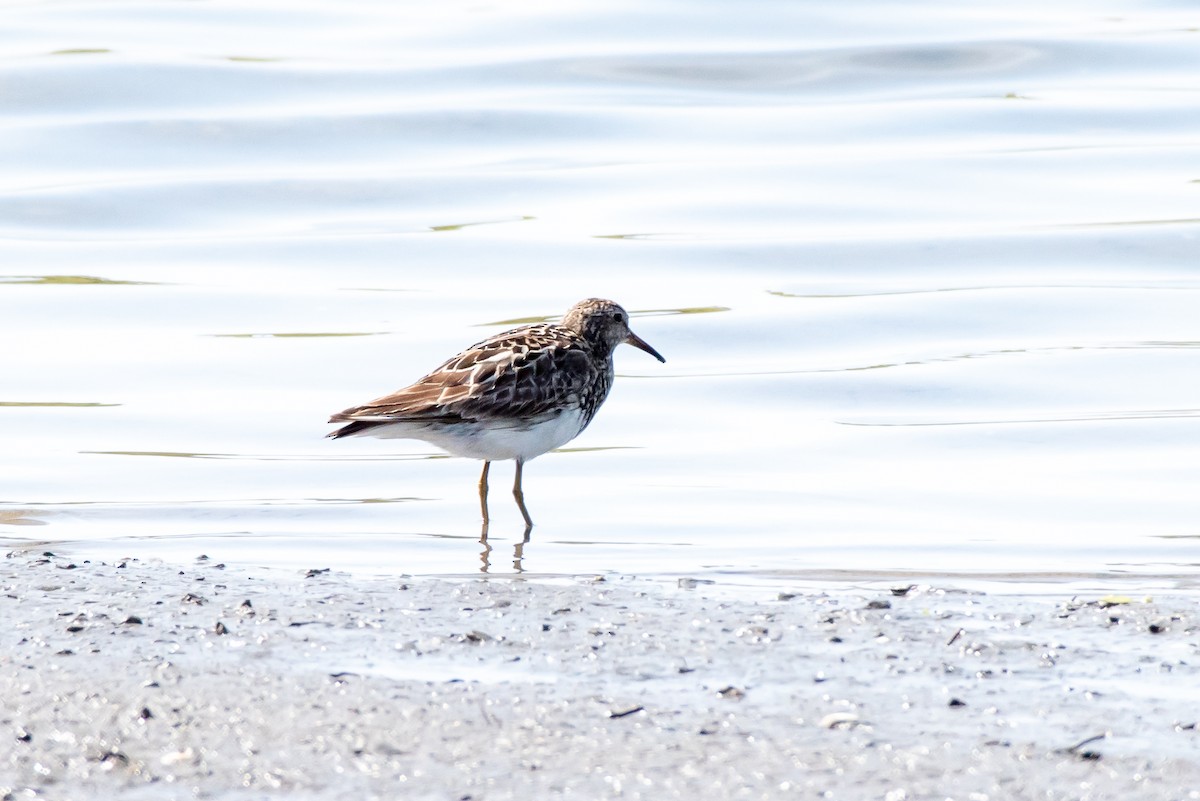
[(515, 395)]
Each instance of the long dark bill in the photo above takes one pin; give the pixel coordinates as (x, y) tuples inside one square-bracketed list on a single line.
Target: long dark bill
[(640, 344)]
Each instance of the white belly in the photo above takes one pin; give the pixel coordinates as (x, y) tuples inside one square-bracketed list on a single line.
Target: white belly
[(493, 442)]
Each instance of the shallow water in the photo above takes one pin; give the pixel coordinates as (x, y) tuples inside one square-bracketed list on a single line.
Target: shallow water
[(925, 279)]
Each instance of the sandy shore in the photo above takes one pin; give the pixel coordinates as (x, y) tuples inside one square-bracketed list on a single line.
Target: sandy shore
[(151, 681)]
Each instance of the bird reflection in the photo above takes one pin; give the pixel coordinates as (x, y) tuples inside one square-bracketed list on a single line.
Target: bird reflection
[(485, 555)]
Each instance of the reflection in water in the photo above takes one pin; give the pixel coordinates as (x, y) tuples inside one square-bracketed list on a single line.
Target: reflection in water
[(1128, 223), (461, 226), (521, 321), (838, 156), (632, 313), (68, 404), (653, 237), (776, 71), (19, 517), (73, 280), (1085, 417), (278, 457), (684, 310), (1167, 286), (183, 504), (374, 289), (485, 555), (303, 334), (974, 355)]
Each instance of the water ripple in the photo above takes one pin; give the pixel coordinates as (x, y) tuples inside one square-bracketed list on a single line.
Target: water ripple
[(1082, 417)]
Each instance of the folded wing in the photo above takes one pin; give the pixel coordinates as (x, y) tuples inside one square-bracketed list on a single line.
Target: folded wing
[(519, 374)]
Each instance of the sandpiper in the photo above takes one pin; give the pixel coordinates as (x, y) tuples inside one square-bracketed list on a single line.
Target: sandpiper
[(513, 396)]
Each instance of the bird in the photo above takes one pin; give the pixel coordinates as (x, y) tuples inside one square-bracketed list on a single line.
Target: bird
[(513, 396)]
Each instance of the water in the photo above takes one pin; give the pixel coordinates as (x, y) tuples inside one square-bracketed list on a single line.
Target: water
[(924, 275)]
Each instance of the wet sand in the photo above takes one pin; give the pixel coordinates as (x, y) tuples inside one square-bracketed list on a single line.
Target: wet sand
[(129, 679)]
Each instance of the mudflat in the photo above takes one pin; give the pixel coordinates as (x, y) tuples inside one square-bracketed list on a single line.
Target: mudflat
[(145, 680)]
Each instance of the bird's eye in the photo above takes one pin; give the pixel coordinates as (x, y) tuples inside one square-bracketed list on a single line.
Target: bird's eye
[(618, 317)]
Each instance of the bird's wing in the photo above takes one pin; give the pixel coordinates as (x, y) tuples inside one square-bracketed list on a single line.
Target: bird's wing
[(521, 373)]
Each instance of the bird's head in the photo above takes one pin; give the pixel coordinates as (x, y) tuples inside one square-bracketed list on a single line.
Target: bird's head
[(605, 323)]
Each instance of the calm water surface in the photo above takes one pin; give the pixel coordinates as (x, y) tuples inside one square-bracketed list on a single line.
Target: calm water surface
[(926, 278)]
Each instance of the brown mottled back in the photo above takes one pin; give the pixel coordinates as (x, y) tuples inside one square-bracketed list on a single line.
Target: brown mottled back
[(522, 375)]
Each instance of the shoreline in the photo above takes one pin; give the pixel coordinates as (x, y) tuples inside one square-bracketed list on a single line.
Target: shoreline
[(133, 679)]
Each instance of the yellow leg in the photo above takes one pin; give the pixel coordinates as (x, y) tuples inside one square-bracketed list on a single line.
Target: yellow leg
[(520, 496)]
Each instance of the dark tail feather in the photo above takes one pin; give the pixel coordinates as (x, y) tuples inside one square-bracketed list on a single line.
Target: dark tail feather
[(352, 428)]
